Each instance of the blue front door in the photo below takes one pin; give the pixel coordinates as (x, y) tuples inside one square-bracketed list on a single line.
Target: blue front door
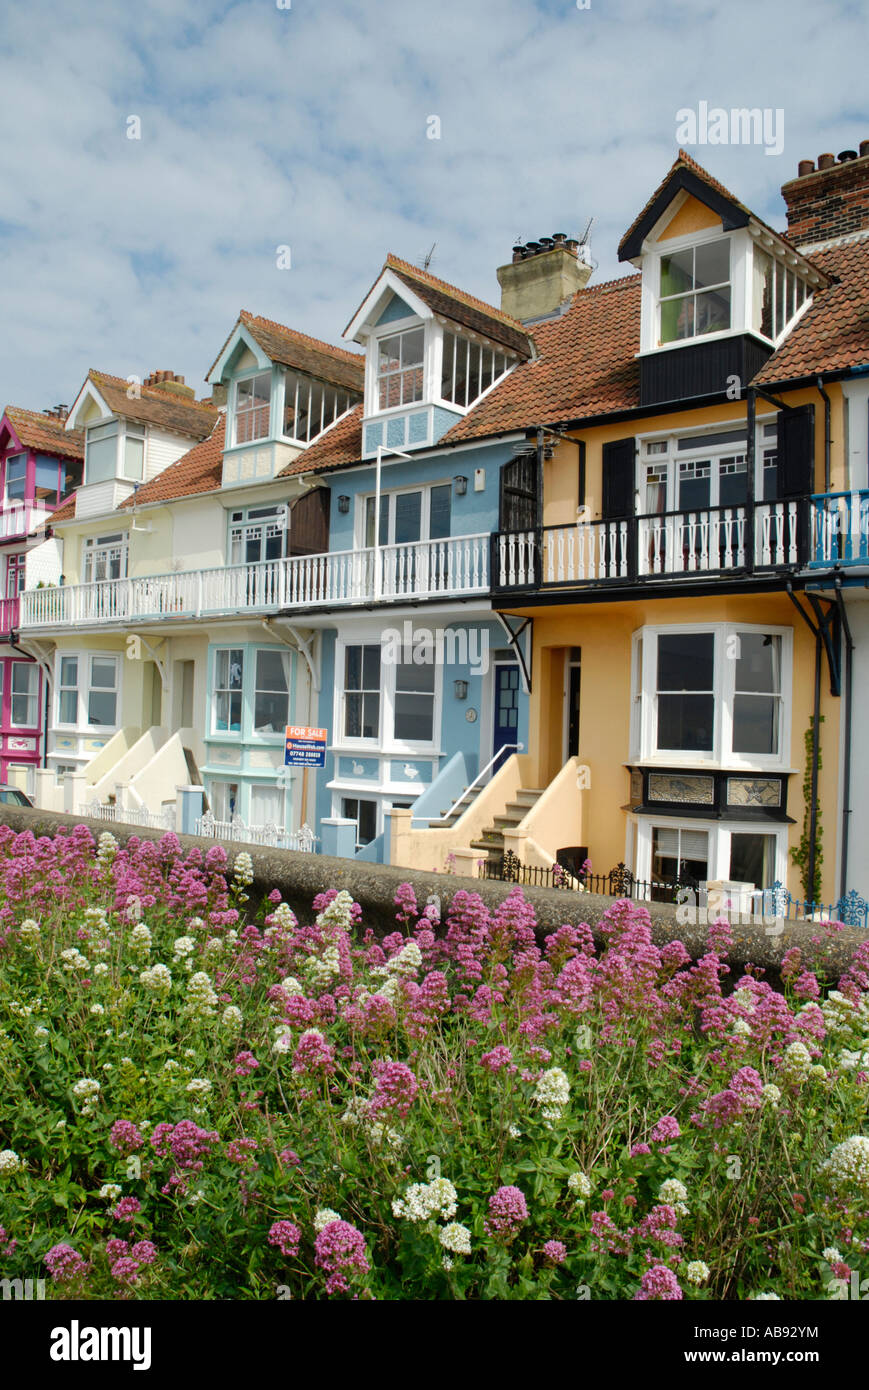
[(506, 706)]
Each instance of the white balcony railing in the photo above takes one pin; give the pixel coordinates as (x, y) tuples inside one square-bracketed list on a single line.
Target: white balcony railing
[(20, 518), (452, 567)]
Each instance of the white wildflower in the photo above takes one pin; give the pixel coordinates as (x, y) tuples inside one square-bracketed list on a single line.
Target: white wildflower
[(741, 1028), (422, 1201), (74, 960), (184, 946), (242, 869), (201, 997), (110, 1191), (158, 979), (323, 1217), (101, 968), (766, 1298), (696, 1273), (674, 1193), (337, 914), (403, 964), (831, 1255), (97, 1009), (580, 1184), (9, 1161), (848, 1164), (770, 1094), (552, 1093), (199, 1087), (140, 939), (456, 1238), (283, 1044), (796, 1062), (87, 1090), (231, 1018), (29, 934)]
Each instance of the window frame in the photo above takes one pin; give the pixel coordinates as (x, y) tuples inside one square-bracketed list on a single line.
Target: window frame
[(14, 459), (101, 547), (385, 375), (339, 394), (277, 734), (674, 248), (388, 497), (720, 835), (651, 455), (386, 742), (247, 379), (276, 516), (644, 681), (344, 799), (66, 688), (229, 690), (91, 689), (32, 668)]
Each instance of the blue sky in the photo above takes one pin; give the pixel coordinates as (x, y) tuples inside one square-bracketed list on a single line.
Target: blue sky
[(263, 127)]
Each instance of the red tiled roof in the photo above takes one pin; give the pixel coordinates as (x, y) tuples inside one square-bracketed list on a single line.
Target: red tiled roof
[(587, 366), (39, 431), (154, 406), (833, 334), (290, 348), (65, 512), (339, 445), (199, 470), (453, 303)]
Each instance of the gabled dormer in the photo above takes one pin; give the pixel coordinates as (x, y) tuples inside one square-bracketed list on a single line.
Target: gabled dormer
[(431, 353), (133, 430), (720, 291), (283, 390), (40, 467)]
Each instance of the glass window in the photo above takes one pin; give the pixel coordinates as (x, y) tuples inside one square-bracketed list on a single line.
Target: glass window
[(695, 291), (228, 682), (440, 508), (16, 477), (252, 398), (414, 702), (679, 855), (257, 535), (686, 700), (408, 517), (364, 813), (271, 706), (311, 406), (47, 486), (383, 538), (224, 800), (400, 368), (266, 806), (25, 690), (103, 691), (105, 558), (101, 452), (67, 712), (16, 573), (468, 369), (362, 692), (757, 693), (134, 451), (752, 859)]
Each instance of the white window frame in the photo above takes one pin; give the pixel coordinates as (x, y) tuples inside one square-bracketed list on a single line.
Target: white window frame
[(229, 690), (29, 695), (720, 832), (276, 735), (94, 547), (338, 811), (14, 501), (644, 684), (672, 455), (389, 495), (398, 331), (245, 379), (102, 689), (65, 689), (386, 742), (342, 402), (740, 280), (278, 520)]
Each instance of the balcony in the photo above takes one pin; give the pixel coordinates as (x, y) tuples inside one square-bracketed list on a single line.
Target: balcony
[(454, 567), (709, 541), (20, 518), (840, 529)]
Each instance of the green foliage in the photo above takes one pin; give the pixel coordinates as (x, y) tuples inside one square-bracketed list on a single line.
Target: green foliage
[(801, 853)]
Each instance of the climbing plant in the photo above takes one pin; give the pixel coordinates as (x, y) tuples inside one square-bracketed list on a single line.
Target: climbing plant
[(801, 853)]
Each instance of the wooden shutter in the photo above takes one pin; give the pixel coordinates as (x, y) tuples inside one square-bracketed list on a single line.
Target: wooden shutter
[(618, 479), (518, 504), (309, 523), (795, 451)]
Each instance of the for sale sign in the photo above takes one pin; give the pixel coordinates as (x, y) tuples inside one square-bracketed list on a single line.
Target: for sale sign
[(304, 747)]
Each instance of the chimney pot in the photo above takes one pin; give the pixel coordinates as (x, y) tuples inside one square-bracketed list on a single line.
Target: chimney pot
[(845, 156), (559, 238), (864, 148), (805, 166), (826, 161), (542, 279), (518, 253), (833, 204)]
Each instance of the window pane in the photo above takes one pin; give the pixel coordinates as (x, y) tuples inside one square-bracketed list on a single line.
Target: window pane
[(102, 457), (447, 368), (103, 673), (439, 513), (755, 723), (712, 311), (685, 722), (752, 859), (134, 456), (353, 668), (270, 673), (367, 822), (712, 263), (370, 715), (732, 482), (271, 703), (677, 272), (352, 716), (68, 711), (686, 661), (757, 666), (68, 670), (415, 677), (677, 319), (411, 347), (101, 707), (371, 668), (266, 806), (408, 517), (390, 353)]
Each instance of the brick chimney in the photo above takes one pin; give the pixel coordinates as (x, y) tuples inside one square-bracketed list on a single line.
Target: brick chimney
[(543, 277), (168, 381), (831, 200)]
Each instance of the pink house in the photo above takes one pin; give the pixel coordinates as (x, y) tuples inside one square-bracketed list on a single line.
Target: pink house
[(40, 467)]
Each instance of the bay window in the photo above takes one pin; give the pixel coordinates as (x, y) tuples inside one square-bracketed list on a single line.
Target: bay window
[(252, 408), (468, 369), (310, 406), (88, 689), (101, 452), (713, 694), (693, 853), (694, 291), (679, 854)]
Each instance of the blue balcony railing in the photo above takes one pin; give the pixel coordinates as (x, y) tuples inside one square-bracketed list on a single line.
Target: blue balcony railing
[(840, 529)]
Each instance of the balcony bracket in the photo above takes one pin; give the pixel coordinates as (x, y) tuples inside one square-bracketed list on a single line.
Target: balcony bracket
[(306, 647), (161, 665), (41, 654), (513, 635), (827, 628)]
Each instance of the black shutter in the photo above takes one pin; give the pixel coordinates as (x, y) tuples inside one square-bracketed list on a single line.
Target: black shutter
[(618, 479), (581, 482), (518, 503), (795, 451)]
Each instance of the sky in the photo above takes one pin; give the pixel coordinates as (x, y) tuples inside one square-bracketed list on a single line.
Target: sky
[(304, 124)]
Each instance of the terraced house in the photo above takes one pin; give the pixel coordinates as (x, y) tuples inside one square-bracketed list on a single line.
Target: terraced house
[(581, 576)]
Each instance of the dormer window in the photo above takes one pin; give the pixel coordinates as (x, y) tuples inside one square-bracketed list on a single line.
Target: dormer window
[(114, 450), (695, 291), (400, 368), (252, 408), (468, 369), (778, 294), (16, 477), (311, 406)]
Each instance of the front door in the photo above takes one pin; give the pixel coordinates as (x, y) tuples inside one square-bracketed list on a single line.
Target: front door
[(571, 702), (506, 720)]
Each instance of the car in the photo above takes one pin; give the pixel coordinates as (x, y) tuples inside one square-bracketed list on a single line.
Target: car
[(13, 796)]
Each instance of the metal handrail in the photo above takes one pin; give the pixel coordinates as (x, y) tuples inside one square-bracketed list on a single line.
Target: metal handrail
[(517, 748)]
